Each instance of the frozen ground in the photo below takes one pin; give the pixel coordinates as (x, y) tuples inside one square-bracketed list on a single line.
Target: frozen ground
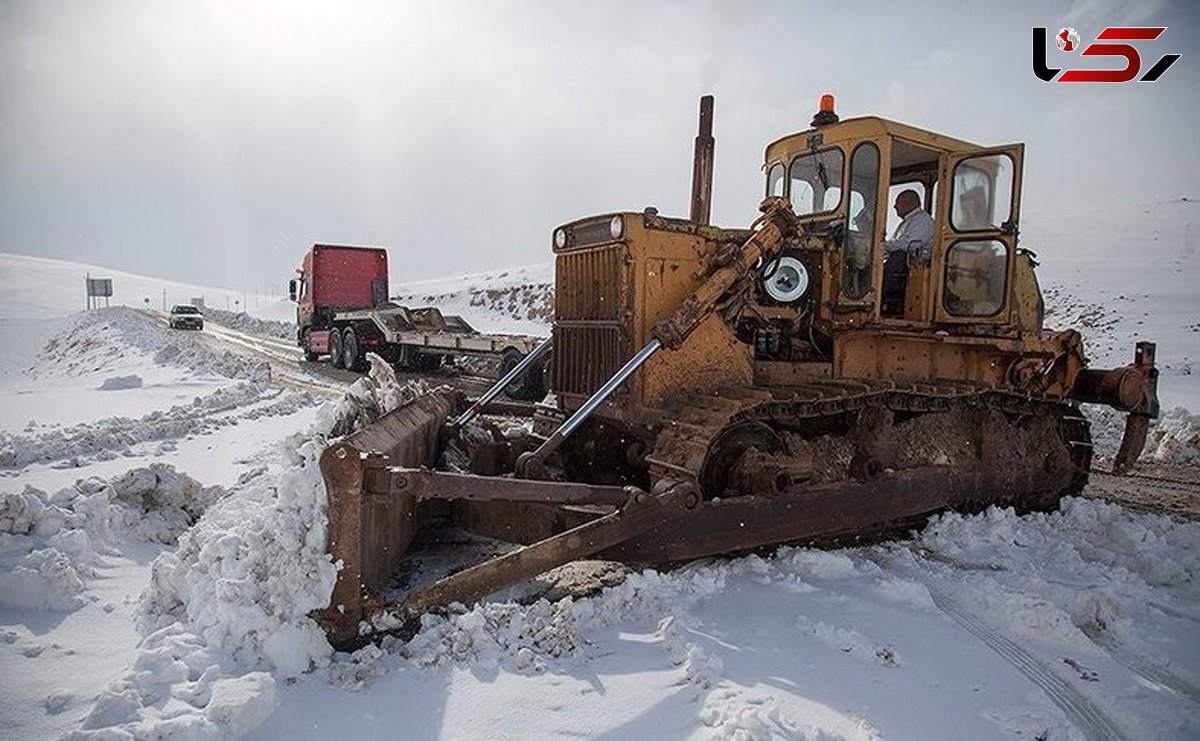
[(161, 545)]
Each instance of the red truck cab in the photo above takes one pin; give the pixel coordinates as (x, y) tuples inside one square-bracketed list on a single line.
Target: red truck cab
[(333, 278)]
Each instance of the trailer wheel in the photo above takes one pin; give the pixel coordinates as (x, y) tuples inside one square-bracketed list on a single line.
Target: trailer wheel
[(508, 360), (537, 380), (350, 358), (335, 348), (529, 386), (306, 343), (425, 362), (533, 384)]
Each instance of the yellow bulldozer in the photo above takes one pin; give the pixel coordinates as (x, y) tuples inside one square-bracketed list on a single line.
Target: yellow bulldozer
[(713, 390)]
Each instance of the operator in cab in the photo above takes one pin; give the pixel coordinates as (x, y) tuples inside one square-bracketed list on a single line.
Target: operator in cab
[(913, 237)]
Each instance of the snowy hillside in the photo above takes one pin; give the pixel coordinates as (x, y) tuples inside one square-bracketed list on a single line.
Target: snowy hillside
[(162, 530), (513, 300), (40, 288), (1122, 275)]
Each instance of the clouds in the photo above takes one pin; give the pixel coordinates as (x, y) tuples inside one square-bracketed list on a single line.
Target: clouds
[(221, 138)]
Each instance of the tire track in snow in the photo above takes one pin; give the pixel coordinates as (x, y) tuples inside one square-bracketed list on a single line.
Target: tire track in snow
[(1081, 711), (1140, 665)]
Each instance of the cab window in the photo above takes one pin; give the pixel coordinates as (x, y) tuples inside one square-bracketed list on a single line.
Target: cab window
[(861, 230), (982, 196), (975, 277), (815, 182), (775, 179)]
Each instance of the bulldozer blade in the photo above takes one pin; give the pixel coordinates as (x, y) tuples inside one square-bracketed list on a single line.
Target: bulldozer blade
[(839, 512), (370, 531), (640, 512), (673, 527), (426, 484)]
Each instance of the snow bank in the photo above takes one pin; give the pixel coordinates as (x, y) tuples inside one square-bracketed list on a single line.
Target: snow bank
[(49, 543), (243, 322), (228, 611), (104, 338), (246, 577), (107, 438), (1173, 438), (1074, 587), (1028, 572)]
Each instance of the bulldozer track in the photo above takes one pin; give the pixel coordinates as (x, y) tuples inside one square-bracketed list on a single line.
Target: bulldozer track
[(684, 446)]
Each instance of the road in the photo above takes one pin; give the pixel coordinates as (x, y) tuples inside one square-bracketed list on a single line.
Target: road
[(289, 368)]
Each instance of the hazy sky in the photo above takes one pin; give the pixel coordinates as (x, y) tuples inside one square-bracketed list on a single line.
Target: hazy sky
[(213, 142)]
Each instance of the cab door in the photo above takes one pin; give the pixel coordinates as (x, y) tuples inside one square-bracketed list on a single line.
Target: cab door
[(981, 208)]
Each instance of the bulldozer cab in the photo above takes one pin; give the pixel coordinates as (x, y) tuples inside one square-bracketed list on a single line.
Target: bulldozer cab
[(842, 179)]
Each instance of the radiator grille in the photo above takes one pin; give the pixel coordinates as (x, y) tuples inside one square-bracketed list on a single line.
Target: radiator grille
[(592, 232), (588, 284), (586, 355)]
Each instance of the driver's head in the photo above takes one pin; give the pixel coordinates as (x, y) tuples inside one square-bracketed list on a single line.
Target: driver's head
[(906, 201)]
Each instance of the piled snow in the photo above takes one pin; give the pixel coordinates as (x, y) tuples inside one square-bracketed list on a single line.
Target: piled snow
[(95, 343), (244, 322), (104, 338), (228, 610), (105, 439), (1093, 602), (244, 579), (50, 542), (1173, 438)]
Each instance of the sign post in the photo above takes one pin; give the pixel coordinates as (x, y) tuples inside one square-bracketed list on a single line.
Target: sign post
[(98, 288)]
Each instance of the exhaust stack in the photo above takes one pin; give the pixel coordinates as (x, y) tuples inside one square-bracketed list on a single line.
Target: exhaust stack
[(702, 164)]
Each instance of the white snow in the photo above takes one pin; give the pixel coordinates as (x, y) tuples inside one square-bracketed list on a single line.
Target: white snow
[(517, 300), (162, 528)]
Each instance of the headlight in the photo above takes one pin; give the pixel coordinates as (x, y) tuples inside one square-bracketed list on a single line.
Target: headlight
[(616, 227), (787, 280), (560, 237)]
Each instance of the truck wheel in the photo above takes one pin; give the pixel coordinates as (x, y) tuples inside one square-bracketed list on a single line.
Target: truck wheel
[(306, 343), (536, 381), (530, 386), (404, 358), (350, 358), (335, 348), (508, 361)]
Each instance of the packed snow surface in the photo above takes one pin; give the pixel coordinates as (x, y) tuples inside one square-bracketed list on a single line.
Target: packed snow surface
[(162, 545)]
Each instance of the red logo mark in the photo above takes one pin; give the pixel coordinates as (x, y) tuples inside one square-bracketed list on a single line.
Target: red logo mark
[(1067, 40)]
